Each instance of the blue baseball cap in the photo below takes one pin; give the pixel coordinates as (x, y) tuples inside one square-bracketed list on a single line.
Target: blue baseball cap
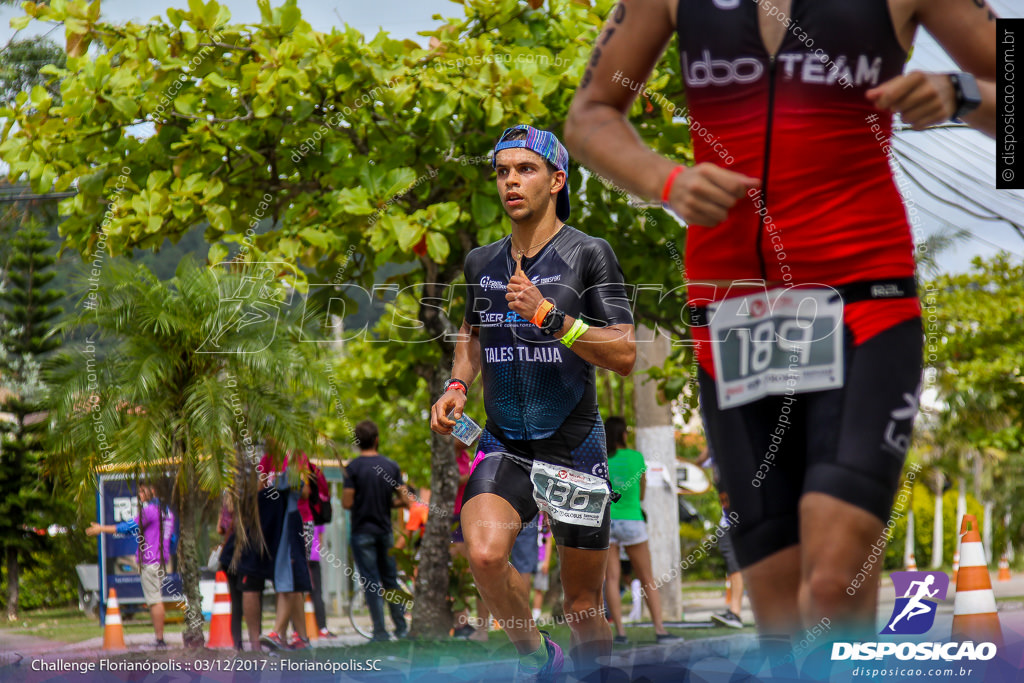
[(547, 145)]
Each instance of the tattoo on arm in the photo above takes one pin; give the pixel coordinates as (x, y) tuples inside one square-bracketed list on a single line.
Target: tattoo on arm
[(981, 4), (618, 16)]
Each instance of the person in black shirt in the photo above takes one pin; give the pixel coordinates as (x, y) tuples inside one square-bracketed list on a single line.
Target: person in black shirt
[(545, 305), (371, 481)]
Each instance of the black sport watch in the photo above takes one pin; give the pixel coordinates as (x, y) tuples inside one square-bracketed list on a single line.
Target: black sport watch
[(552, 322), (968, 96)]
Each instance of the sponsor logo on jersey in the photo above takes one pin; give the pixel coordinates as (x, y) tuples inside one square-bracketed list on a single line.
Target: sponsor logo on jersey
[(486, 282), (509, 319), (815, 68), (707, 71)]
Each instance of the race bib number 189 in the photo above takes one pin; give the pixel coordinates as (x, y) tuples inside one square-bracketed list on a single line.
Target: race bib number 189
[(780, 341), (569, 496)]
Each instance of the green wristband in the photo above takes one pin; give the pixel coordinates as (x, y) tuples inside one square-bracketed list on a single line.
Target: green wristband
[(574, 333)]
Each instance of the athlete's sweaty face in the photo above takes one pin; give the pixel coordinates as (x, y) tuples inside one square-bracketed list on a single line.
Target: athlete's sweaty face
[(526, 185)]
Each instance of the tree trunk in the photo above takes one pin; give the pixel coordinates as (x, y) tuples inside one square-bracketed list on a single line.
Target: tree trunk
[(622, 396), (609, 387), (188, 564), (937, 522), (13, 577), (432, 614), (1009, 544), (655, 438), (961, 505), (908, 544), (986, 531)]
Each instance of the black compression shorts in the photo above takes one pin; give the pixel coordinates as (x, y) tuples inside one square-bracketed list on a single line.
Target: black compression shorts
[(849, 442), (507, 475)]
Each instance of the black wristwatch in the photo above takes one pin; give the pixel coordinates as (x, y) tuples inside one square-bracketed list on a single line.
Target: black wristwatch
[(552, 322), (968, 96)]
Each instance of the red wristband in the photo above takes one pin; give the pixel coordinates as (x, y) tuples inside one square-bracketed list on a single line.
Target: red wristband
[(456, 384), (541, 313), (666, 191)]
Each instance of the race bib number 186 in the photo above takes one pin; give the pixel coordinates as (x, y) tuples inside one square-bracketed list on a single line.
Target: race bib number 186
[(569, 496), (780, 341)]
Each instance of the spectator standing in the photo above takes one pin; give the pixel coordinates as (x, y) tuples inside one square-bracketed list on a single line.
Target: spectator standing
[(256, 555), (734, 577), (319, 609), (542, 577), (226, 529), (463, 627), (291, 567), (371, 481), (416, 525), (153, 529), (627, 474)]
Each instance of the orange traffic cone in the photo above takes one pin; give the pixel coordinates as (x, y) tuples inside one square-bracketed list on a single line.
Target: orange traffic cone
[(312, 632), (911, 563), (974, 609), (956, 564), (113, 631), (728, 591), (1004, 568), (220, 622)]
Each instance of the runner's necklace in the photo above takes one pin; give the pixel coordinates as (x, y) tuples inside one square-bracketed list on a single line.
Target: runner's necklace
[(520, 253)]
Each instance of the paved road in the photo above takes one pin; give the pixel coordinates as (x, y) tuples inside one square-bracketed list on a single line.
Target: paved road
[(710, 659)]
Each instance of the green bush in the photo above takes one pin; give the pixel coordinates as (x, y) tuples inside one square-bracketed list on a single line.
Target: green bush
[(707, 564), (48, 578), (924, 511)]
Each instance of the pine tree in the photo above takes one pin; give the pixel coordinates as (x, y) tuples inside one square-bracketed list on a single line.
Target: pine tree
[(27, 316)]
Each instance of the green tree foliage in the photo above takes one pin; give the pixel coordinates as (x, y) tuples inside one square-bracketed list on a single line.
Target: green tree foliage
[(924, 524), (974, 327), (201, 369), (20, 65), (26, 339)]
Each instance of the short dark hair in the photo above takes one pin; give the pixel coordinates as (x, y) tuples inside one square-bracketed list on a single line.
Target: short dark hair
[(520, 134), (615, 432), (366, 434)]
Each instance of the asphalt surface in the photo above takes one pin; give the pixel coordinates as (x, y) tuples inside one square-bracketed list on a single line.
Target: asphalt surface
[(706, 659)]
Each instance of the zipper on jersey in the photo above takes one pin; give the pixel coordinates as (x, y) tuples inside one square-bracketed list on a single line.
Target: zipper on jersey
[(764, 170), (519, 389)]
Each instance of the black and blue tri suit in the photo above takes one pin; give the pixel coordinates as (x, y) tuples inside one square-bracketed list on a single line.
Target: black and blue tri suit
[(539, 396)]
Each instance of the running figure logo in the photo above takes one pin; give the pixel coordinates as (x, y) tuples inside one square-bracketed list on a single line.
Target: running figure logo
[(914, 613)]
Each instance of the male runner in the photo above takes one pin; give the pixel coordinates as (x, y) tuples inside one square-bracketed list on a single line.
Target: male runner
[(545, 305), (797, 96)]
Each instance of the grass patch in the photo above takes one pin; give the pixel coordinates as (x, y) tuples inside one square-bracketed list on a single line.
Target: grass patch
[(59, 624), (69, 625)]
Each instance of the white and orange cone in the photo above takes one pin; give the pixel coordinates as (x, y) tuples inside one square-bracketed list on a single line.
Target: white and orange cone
[(728, 591), (911, 563), (1004, 568), (220, 621), (113, 631), (956, 564), (974, 608), (312, 632)]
